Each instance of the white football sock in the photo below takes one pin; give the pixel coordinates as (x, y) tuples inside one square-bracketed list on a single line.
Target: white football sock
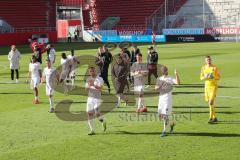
[(139, 103), (36, 98), (51, 102), (119, 100), (90, 124), (165, 123), (142, 102), (72, 82)]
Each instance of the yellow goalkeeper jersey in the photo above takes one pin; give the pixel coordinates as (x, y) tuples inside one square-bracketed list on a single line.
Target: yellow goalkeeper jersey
[(210, 74)]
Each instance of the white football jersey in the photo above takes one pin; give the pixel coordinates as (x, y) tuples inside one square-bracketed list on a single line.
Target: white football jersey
[(92, 92), (52, 54)]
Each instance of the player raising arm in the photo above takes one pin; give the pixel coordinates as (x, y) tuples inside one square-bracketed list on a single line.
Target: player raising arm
[(94, 86), (210, 74), (165, 85)]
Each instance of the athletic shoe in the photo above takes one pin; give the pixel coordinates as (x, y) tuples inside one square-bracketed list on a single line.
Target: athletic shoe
[(210, 120), (16, 80), (138, 110), (143, 109), (104, 126), (91, 133), (172, 127), (117, 105), (126, 103), (36, 102), (215, 120), (51, 110), (163, 134)]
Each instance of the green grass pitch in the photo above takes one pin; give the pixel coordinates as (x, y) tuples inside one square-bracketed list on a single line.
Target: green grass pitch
[(29, 132)]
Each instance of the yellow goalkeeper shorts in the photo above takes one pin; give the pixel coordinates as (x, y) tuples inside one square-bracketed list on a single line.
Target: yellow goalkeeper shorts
[(210, 93)]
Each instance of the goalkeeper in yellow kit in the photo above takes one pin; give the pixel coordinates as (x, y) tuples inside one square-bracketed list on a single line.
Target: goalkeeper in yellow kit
[(210, 74)]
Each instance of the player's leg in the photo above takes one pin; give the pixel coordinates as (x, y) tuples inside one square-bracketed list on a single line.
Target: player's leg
[(105, 79), (211, 99), (12, 74), (207, 99), (118, 100), (212, 110), (17, 75), (162, 113), (149, 76), (72, 76), (124, 98), (35, 89), (49, 93), (90, 114), (155, 73), (90, 122), (138, 103), (165, 124), (99, 116), (143, 105), (51, 102), (36, 101)]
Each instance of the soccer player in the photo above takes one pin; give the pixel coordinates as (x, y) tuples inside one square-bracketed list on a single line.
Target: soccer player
[(134, 54), (73, 65), (139, 71), (51, 53), (210, 74), (34, 74), (38, 53), (119, 73), (103, 61), (164, 86), (65, 68), (34, 42), (65, 72), (14, 57), (94, 86), (152, 60), (47, 72)]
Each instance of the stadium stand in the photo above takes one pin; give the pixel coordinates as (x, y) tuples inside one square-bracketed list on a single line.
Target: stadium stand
[(129, 12), (207, 13), (25, 13)]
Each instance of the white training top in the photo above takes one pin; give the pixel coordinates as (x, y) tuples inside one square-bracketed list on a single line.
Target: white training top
[(139, 80), (14, 58), (34, 69), (93, 92), (52, 54), (63, 61)]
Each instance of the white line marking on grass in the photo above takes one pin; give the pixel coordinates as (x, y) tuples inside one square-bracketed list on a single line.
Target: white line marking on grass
[(230, 97)]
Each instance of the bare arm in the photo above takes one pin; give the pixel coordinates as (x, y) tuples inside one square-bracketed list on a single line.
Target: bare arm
[(177, 77)]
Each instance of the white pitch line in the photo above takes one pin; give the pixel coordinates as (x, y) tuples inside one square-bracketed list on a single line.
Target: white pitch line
[(230, 97)]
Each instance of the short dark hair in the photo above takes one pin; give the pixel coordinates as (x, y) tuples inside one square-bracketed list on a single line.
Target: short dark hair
[(207, 56), (64, 56), (33, 57), (91, 67), (139, 54)]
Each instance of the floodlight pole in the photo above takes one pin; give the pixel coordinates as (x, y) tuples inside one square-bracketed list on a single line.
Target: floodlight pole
[(165, 14), (203, 13)]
